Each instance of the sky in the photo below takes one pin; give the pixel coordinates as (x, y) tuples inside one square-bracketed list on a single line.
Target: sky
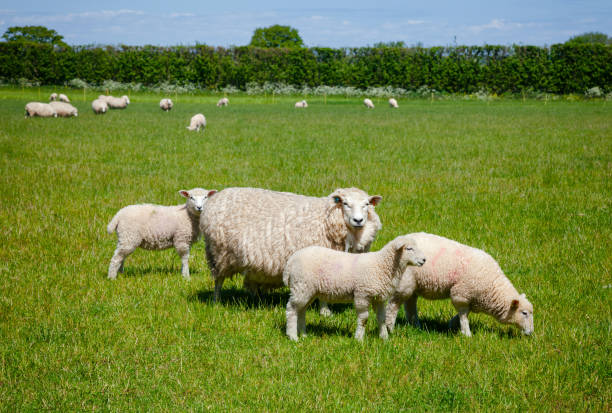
[(343, 23)]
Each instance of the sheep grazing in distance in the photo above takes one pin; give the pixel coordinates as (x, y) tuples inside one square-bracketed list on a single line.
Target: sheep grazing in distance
[(301, 104), (197, 121), (393, 103), (166, 104), (223, 102), (335, 276), (254, 231), (368, 103), (114, 102), (99, 106), (44, 110), (64, 109), (470, 277), (63, 98), (53, 97), (156, 227)]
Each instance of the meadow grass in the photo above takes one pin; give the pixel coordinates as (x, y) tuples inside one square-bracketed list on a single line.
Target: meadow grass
[(529, 182)]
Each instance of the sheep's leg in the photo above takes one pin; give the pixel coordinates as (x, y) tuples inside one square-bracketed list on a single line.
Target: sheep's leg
[(324, 309), (361, 307), (218, 285), (116, 262), (380, 317), (410, 308), (462, 319), (183, 252), (292, 314), (302, 322), (391, 312)]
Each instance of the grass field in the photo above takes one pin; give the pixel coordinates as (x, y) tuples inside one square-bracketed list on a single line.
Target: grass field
[(529, 182)]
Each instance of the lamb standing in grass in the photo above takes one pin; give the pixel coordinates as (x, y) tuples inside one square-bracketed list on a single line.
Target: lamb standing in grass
[(334, 276), (44, 110), (166, 104), (64, 109), (156, 227), (53, 97), (254, 231), (470, 277), (99, 106), (197, 121), (223, 102), (368, 103), (63, 98), (393, 103), (301, 104)]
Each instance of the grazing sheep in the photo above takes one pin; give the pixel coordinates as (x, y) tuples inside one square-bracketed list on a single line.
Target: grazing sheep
[(254, 231), (197, 121), (99, 106), (53, 97), (368, 103), (44, 110), (223, 102), (156, 227), (63, 98), (335, 276), (166, 104), (64, 109), (301, 104), (393, 103), (470, 277), (114, 102)]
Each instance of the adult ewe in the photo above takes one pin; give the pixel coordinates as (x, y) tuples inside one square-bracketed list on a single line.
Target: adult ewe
[(223, 102), (393, 103), (99, 106), (470, 277), (156, 227), (116, 103), (197, 122), (368, 103), (166, 104), (301, 104), (254, 231), (53, 97), (340, 277), (64, 109), (44, 110)]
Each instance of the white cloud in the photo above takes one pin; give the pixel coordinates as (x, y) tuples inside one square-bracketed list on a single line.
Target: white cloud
[(176, 15)]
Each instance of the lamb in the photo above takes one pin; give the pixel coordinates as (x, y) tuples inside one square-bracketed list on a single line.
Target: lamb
[(223, 102), (156, 227), (335, 276), (254, 231), (63, 98), (64, 109), (368, 103), (166, 104), (470, 277), (393, 103), (197, 121), (53, 97), (116, 103), (99, 106), (44, 110), (301, 104)]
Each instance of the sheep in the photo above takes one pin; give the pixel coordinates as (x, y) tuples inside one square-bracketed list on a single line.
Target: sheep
[(470, 277), (166, 104), (335, 276), (64, 109), (114, 102), (223, 102), (254, 231), (157, 227), (368, 103), (301, 104), (197, 121), (393, 103), (99, 106), (44, 110), (63, 98), (53, 97)]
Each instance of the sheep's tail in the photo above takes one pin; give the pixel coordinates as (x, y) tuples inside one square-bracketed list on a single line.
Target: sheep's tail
[(112, 226)]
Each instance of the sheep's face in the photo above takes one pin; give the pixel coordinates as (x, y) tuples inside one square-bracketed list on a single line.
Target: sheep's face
[(355, 205), (521, 314), (196, 198), (411, 254)]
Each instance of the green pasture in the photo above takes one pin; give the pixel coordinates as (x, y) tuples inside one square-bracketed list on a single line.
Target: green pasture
[(528, 181)]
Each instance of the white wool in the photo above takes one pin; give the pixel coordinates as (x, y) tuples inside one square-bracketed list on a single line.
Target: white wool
[(64, 109), (223, 102), (44, 110), (470, 277), (166, 104), (53, 97), (368, 103), (197, 122), (114, 102), (99, 106), (393, 103), (63, 98), (301, 104), (157, 227), (335, 276)]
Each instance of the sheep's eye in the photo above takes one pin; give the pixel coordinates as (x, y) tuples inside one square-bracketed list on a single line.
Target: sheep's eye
[(524, 313), (409, 249), (345, 203)]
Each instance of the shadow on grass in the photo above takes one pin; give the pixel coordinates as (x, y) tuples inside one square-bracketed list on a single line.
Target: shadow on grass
[(442, 327), (135, 271)]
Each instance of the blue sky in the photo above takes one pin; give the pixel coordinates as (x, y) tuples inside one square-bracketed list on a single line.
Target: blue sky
[(320, 23)]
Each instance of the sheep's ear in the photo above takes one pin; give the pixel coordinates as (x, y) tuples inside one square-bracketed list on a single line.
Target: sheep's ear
[(211, 193), (514, 304), (184, 193), (337, 197), (375, 200)]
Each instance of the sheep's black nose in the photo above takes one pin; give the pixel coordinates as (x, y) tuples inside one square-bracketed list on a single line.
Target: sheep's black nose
[(357, 221)]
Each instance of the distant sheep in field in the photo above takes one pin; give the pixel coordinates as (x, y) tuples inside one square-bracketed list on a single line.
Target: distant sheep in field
[(64, 109), (156, 227), (44, 110), (53, 97), (197, 121), (166, 104), (470, 277), (368, 103), (223, 102), (301, 104), (393, 103), (99, 106), (116, 103), (63, 98)]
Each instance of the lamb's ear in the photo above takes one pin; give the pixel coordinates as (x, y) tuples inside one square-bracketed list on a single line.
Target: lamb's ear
[(375, 200), (184, 193), (514, 304), (211, 193)]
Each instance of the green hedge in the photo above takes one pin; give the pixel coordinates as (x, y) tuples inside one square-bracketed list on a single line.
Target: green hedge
[(558, 69)]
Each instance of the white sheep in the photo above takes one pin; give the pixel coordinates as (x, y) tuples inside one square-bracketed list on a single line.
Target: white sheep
[(393, 103), (368, 103), (223, 102), (116, 103), (197, 121), (157, 227), (99, 106), (63, 98), (64, 109), (53, 97), (166, 104), (254, 231), (335, 276), (301, 104), (44, 110), (470, 277)]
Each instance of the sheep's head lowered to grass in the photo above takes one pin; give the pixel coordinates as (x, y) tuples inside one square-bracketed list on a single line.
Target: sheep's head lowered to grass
[(355, 205), (521, 314)]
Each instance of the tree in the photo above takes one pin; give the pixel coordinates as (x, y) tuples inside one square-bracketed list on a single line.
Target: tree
[(36, 34), (276, 36), (590, 37)]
